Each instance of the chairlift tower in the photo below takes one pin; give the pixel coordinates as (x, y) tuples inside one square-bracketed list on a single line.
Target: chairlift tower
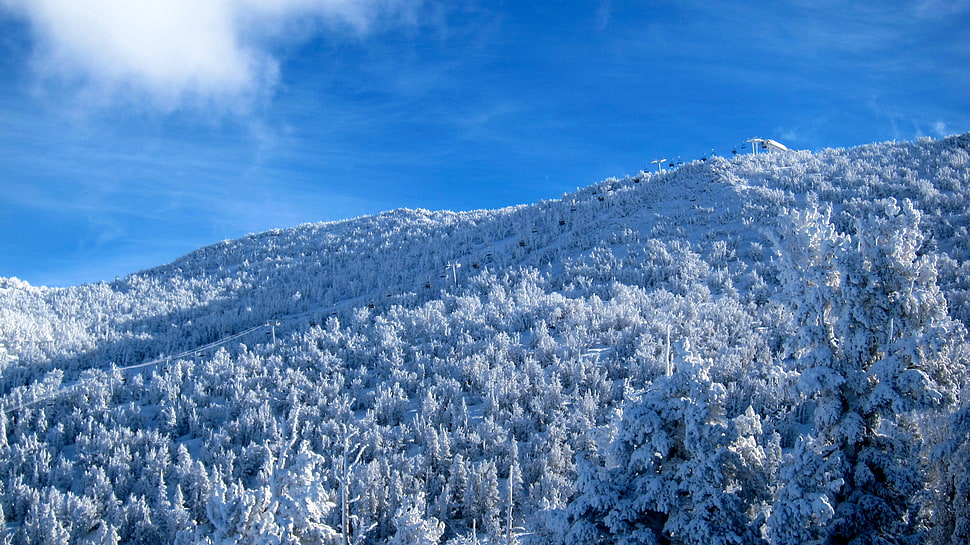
[(454, 266), (272, 325), (755, 144), (659, 163)]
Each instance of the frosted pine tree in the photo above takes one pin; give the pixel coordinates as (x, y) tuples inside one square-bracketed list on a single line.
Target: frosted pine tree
[(873, 344), (950, 460), (42, 524), (303, 503), (5, 537), (803, 507), (292, 508), (6, 357), (413, 527), (242, 516), (677, 471)]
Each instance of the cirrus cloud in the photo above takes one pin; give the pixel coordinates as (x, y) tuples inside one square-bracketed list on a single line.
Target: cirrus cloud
[(174, 52)]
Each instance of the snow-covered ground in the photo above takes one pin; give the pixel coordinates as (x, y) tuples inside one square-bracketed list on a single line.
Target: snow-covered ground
[(757, 349)]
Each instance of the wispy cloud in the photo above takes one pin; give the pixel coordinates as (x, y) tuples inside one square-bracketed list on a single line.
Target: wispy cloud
[(942, 8), (174, 53), (604, 13)]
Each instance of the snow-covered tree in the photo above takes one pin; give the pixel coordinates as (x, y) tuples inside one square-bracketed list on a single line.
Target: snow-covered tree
[(678, 470), (242, 516), (873, 344), (949, 511), (43, 525), (304, 503), (412, 526), (803, 505)]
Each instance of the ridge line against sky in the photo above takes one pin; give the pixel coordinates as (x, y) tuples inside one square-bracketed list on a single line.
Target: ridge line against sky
[(134, 131)]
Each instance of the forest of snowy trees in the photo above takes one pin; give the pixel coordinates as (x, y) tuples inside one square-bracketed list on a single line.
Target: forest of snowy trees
[(767, 349)]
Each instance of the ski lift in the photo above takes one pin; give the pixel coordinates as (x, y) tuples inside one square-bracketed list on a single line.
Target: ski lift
[(371, 306), (601, 198), (772, 145), (474, 265), (428, 285), (562, 222), (522, 243), (767, 144), (313, 324)]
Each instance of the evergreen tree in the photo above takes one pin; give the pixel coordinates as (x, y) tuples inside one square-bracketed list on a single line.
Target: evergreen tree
[(949, 512), (676, 471), (411, 527), (483, 499), (874, 344), (43, 525), (303, 503)]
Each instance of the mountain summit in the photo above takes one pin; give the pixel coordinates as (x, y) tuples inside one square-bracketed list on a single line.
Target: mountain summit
[(764, 348)]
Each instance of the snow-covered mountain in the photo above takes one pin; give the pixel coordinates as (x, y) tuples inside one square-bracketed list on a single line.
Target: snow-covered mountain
[(758, 349)]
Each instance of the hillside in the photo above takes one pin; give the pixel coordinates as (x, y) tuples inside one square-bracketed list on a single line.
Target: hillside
[(758, 349)]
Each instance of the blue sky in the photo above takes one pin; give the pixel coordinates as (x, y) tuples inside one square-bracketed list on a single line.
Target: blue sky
[(134, 131)]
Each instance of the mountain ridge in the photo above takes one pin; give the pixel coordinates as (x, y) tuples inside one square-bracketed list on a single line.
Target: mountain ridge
[(451, 352)]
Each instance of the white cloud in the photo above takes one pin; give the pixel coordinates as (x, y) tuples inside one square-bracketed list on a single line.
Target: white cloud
[(178, 51), (941, 8), (604, 14)]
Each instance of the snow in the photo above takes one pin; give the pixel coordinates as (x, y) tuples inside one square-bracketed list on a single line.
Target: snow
[(739, 350)]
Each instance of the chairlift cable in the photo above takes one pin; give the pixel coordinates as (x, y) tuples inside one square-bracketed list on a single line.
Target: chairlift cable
[(186, 353)]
